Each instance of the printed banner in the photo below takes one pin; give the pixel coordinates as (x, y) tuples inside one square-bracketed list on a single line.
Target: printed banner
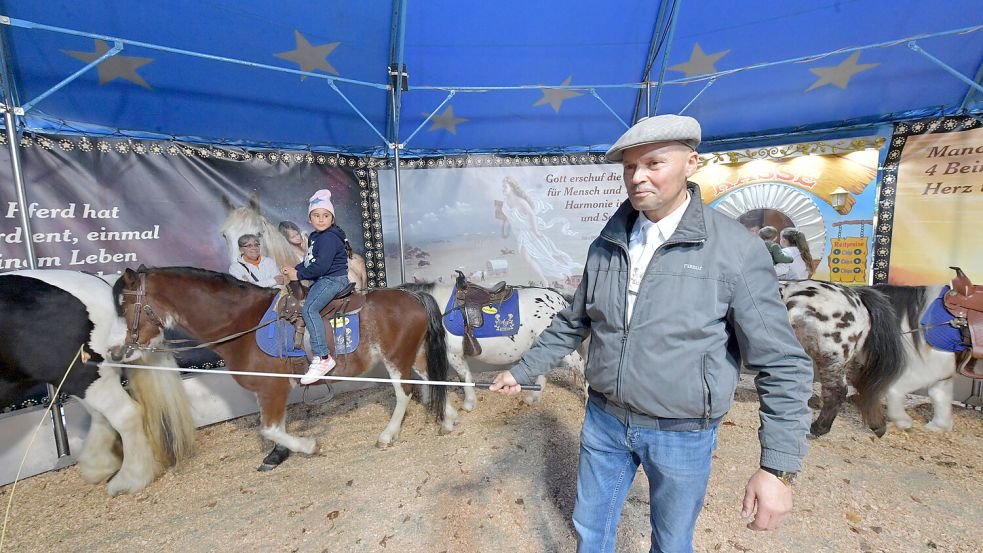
[(530, 219), (104, 205), (931, 203)]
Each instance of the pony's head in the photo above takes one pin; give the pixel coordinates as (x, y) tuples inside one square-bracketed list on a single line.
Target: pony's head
[(248, 219)]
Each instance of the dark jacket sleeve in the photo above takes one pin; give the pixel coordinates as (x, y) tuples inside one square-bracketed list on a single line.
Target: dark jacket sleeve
[(326, 248), (769, 348), (567, 331), (777, 255)]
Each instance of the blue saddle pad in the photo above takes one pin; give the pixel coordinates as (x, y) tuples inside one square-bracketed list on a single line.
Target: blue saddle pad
[(277, 339), (500, 319), (345, 333), (943, 337)]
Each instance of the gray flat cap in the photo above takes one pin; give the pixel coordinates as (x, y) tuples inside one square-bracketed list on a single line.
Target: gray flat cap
[(661, 128)]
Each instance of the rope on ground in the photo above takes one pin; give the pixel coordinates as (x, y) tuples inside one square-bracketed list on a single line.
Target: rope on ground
[(54, 397)]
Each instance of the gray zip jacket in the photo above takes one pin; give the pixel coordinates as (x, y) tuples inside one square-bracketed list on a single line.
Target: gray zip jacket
[(708, 301)]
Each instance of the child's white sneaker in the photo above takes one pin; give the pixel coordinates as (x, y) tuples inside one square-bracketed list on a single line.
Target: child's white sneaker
[(319, 367)]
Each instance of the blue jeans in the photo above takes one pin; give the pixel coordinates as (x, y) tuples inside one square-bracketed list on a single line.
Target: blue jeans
[(320, 295), (677, 465)]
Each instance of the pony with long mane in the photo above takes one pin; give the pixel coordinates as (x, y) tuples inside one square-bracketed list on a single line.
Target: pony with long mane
[(852, 335), (56, 321), (398, 330), (537, 306), (249, 219)]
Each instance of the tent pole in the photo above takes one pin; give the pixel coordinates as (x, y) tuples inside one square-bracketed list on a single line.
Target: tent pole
[(9, 106), (673, 18), (399, 204), (654, 46)]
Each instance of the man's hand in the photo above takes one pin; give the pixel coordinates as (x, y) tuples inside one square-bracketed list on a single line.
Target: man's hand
[(768, 499), (505, 384)]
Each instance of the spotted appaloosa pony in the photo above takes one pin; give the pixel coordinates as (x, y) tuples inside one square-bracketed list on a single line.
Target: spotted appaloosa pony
[(927, 367), (537, 307), (398, 330), (852, 334), (45, 317), (248, 219)]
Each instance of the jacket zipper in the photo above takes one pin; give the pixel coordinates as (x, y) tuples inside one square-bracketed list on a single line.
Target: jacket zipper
[(707, 398), (627, 326)]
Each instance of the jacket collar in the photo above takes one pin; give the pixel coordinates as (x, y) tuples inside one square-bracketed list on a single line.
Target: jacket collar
[(692, 227)]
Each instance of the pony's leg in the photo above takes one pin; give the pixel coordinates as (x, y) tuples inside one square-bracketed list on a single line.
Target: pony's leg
[(107, 396), (833, 380), (273, 420), (464, 372), (391, 432), (450, 413), (941, 395), (895, 407), (98, 460)]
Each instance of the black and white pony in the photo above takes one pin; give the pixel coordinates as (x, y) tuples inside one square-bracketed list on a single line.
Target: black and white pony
[(853, 336), (537, 307), (46, 317)]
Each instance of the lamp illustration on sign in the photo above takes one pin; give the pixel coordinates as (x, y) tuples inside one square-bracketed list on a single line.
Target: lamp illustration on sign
[(838, 200)]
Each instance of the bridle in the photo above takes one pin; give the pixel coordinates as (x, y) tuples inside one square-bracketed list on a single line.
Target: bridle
[(141, 306)]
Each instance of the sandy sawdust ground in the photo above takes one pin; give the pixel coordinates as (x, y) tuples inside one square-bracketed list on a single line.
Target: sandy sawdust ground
[(505, 481)]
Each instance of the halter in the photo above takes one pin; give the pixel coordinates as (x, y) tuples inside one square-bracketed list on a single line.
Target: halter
[(140, 305)]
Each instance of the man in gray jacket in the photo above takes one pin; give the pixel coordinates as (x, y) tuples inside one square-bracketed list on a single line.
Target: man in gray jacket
[(675, 296)]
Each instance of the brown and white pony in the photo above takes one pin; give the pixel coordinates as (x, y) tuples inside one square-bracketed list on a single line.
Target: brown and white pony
[(248, 219), (399, 330)]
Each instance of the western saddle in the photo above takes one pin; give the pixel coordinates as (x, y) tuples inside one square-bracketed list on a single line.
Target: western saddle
[(965, 302), (290, 307), (470, 298)]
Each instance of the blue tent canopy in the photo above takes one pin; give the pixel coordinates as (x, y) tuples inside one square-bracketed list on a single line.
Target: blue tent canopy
[(486, 71)]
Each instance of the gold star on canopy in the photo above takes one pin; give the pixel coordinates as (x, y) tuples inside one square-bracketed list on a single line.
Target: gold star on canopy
[(113, 67), (310, 57), (699, 63), (839, 75), (555, 96), (445, 121)]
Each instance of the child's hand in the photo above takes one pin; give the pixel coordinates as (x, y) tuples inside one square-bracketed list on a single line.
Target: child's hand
[(289, 272)]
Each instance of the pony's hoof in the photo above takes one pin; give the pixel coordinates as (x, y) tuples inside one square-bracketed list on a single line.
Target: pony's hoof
[(904, 424), (880, 431), (383, 445), (266, 468), (935, 427), (444, 431), (320, 448), (468, 406)]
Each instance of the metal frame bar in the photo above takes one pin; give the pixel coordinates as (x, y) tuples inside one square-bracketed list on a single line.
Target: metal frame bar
[(605, 104), (914, 46), (969, 93), (665, 57), (10, 122), (429, 117), (334, 87), (397, 106), (117, 48), (702, 90)]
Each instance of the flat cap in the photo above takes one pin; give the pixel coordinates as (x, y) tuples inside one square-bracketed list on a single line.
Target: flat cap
[(661, 128)]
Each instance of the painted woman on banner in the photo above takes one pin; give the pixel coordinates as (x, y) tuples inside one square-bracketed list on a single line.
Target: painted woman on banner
[(522, 216)]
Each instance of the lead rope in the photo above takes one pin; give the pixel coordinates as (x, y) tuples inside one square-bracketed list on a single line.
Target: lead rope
[(54, 397)]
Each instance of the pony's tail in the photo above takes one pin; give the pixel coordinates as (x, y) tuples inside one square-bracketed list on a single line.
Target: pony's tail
[(885, 358), (166, 410), (438, 366)]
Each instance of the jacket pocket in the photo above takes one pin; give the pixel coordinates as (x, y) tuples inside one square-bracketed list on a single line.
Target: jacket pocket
[(707, 390)]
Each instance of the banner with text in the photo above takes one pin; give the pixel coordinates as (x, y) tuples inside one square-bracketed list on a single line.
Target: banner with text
[(931, 202), (102, 205), (530, 219)]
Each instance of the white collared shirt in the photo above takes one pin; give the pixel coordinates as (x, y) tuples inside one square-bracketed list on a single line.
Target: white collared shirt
[(645, 237)]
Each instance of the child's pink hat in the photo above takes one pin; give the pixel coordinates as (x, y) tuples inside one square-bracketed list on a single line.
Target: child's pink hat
[(321, 199)]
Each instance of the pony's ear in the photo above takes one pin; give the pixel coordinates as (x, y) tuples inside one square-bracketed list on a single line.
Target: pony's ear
[(142, 268), (254, 201), (227, 203), (129, 275)]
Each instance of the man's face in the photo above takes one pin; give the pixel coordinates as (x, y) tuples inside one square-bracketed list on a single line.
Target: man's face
[(655, 176)]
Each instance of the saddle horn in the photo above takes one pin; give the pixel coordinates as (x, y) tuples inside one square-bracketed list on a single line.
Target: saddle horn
[(961, 283)]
